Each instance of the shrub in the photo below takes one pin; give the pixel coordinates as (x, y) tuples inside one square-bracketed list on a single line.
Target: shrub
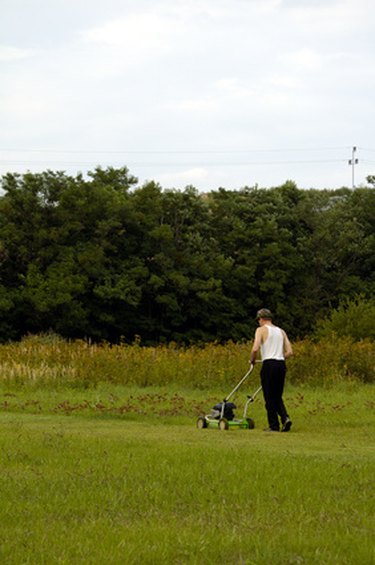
[(353, 318)]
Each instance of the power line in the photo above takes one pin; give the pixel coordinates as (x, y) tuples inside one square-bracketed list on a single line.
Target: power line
[(174, 152), (153, 158), (184, 164)]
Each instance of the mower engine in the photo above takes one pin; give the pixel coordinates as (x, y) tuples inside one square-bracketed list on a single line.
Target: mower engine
[(228, 413)]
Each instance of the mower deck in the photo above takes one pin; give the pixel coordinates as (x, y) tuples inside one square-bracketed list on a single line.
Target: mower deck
[(224, 424)]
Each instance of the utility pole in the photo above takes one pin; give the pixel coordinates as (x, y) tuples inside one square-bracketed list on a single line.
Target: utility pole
[(353, 161)]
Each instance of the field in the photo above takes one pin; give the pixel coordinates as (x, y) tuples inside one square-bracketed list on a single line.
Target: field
[(119, 474)]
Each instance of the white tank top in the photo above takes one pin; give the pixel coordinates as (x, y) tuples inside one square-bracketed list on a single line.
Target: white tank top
[(273, 347)]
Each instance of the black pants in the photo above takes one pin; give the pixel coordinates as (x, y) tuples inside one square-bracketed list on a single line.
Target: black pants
[(272, 377)]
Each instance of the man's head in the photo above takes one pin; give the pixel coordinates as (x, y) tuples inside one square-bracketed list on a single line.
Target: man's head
[(264, 314)]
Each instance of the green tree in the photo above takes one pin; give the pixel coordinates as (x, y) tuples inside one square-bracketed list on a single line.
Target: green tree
[(60, 234), (102, 257)]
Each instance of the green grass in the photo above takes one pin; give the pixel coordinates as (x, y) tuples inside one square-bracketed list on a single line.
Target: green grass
[(97, 484)]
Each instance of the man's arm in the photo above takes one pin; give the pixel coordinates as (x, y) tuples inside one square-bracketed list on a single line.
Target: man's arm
[(256, 345), (288, 350)]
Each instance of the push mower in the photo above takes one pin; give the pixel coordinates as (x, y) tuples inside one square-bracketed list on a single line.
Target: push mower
[(222, 414)]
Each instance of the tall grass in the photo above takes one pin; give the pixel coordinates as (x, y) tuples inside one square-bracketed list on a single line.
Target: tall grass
[(47, 361), (332, 361)]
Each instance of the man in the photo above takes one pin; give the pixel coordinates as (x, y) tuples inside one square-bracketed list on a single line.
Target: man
[(274, 347)]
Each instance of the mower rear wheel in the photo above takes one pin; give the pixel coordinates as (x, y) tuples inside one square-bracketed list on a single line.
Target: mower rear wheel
[(250, 423), (223, 424), (201, 423)]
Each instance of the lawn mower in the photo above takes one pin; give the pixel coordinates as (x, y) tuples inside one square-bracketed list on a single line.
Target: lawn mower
[(222, 414)]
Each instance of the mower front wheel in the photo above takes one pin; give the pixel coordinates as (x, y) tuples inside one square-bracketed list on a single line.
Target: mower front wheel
[(250, 423), (201, 423), (223, 424)]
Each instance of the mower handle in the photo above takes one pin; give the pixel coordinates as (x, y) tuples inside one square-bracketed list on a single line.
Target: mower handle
[(252, 398), (240, 383)]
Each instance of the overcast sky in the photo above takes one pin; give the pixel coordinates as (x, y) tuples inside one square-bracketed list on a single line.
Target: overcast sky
[(211, 93)]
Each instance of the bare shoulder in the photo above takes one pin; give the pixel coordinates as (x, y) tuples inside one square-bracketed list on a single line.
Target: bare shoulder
[(263, 332), (259, 337)]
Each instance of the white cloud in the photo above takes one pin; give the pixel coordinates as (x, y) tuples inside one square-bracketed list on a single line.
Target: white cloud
[(142, 30), (237, 88), (136, 35), (329, 17), (180, 179), (196, 105), (129, 42), (22, 104), (284, 81), (305, 59), (8, 53)]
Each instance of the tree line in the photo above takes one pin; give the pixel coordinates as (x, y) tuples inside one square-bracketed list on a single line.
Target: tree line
[(101, 257)]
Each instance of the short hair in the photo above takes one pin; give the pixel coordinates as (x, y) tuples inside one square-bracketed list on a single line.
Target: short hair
[(265, 314)]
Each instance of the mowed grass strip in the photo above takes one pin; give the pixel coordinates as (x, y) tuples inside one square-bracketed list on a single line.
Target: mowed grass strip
[(87, 489)]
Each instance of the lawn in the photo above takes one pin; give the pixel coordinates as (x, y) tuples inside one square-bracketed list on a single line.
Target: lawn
[(122, 475)]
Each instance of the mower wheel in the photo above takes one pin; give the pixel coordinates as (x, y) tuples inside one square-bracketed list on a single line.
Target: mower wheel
[(223, 424), (201, 423), (251, 423)]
